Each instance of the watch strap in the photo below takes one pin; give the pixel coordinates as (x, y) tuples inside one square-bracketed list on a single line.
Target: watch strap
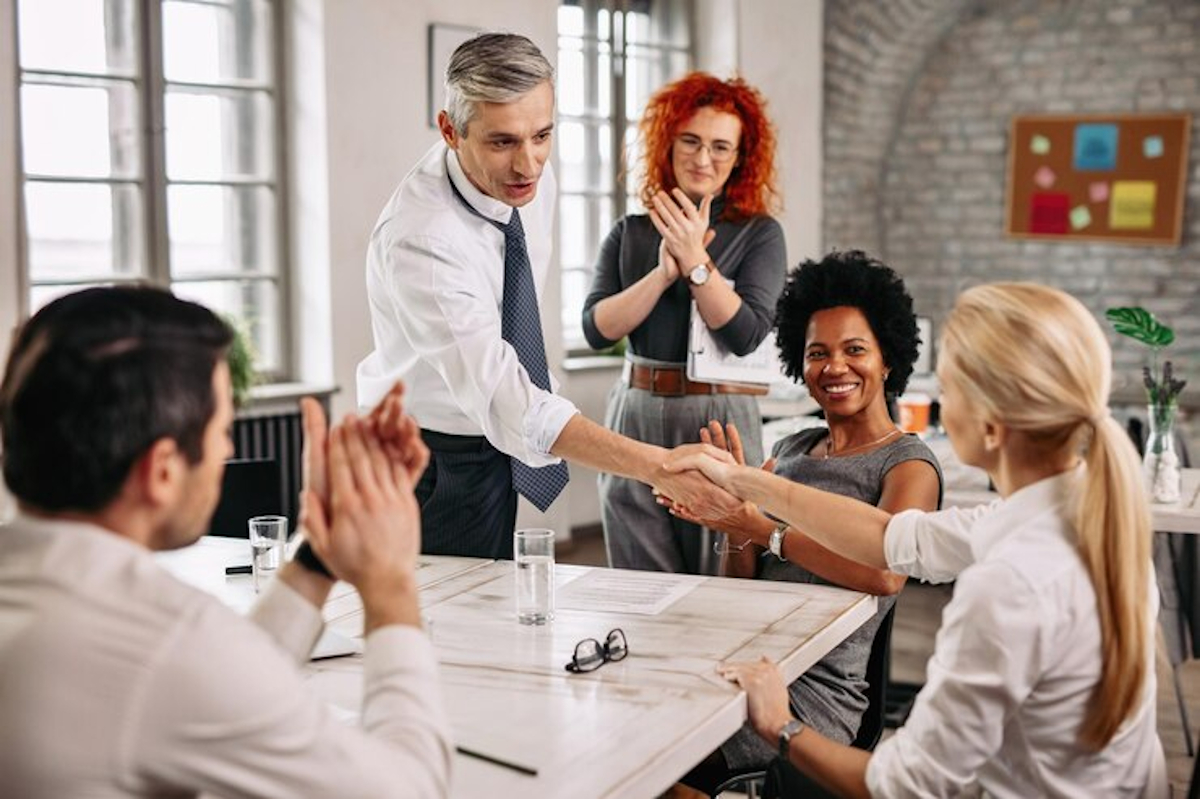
[(775, 543), (307, 558), (789, 731)]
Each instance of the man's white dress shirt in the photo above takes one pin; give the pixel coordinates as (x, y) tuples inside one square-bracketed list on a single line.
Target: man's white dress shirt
[(117, 680), (435, 282), (1016, 659)]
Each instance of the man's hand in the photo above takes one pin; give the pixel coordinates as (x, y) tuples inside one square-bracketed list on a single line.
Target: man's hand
[(733, 521), (399, 433), (372, 534), (691, 489), (766, 695), (715, 464)]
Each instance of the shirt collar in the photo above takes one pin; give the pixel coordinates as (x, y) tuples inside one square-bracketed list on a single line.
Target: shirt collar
[(488, 207), (1050, 495), (84, 531)]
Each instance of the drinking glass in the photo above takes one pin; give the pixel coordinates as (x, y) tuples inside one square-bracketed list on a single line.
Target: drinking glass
[(533, 557), (268, 537)]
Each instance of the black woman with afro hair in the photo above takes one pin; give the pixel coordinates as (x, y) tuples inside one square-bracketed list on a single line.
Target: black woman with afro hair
[(844, 326)]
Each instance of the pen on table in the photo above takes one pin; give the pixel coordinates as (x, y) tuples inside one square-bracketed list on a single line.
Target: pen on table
[(497, 761), (247, 569)]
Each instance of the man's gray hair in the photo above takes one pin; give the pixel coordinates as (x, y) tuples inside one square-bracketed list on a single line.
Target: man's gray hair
[(492, 68)]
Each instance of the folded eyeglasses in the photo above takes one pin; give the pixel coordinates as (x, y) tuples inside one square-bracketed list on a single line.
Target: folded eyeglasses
[(590, 654)]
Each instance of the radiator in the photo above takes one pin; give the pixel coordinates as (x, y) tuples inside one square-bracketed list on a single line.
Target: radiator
[(277, 437)]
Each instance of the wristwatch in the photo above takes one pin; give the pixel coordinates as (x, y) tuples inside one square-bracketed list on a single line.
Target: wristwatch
[(775, 542), (699, 274), (789, 731), (307, 558)]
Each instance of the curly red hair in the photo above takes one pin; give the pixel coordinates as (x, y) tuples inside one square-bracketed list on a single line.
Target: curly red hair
[(750, 190)]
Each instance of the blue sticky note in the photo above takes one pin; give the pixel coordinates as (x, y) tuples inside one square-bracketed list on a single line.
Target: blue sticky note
[(1095, 147), (1152, 146)]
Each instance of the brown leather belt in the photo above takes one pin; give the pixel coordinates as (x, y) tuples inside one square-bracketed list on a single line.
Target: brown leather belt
[(672, 381)]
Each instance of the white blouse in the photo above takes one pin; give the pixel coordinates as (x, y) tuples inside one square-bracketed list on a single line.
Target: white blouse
[(1016, 659)]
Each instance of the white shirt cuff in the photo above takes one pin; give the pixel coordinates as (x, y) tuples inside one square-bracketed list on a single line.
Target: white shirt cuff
[(900, 542), (544, 423)]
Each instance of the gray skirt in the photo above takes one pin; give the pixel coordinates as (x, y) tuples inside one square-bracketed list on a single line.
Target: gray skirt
[(638, 533)]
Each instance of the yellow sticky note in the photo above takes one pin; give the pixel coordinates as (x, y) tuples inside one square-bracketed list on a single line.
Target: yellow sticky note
[(1131, 205)]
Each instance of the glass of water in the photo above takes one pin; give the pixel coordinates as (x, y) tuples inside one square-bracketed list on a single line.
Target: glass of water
[(533, 556), (268, 537)]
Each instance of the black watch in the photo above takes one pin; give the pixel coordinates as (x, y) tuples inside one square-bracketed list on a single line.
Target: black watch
[(309, 560)]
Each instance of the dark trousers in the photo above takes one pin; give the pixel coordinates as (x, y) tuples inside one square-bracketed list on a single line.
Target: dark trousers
[(468, 505)]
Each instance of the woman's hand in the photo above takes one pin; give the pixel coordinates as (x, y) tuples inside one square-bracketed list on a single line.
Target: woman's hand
[(766, 695), (667, 264), (683, 227), (728, 520), (715, 464)]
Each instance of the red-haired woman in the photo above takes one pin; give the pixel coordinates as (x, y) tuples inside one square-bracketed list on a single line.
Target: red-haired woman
[(708, 155)]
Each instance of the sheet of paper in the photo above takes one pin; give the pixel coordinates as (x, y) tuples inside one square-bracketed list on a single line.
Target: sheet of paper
[(1152, 146), (1081, 217), (641, 593), (1039, 145), (1095, 147)]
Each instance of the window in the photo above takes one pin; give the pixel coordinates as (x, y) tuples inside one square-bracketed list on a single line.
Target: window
[(150, 137), (612, 54)]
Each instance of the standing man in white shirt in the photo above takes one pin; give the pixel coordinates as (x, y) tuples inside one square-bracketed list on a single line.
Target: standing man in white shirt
[(454, 269), (118, 680)]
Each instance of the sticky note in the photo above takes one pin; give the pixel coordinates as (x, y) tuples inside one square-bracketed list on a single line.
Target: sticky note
[(1048, 212), (1152, 146), (1044, 177), (1081, 217), (1039, 145), (1095, 147), (1098, 191), (1132, 205)]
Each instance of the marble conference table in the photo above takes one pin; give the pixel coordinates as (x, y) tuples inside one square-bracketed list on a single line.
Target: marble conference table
[(629, 729), (1177, 517)]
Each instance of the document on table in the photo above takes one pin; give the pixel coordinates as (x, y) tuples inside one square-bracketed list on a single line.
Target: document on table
[(643, 593)]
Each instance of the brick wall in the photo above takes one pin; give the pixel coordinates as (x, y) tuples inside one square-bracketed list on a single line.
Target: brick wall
[(919, 95)]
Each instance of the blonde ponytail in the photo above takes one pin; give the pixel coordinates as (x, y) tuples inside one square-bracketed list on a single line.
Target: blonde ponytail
[(1113, 525), (1034, 359)]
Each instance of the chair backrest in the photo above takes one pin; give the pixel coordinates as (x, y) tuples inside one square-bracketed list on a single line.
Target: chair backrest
[(249, 488), (870, 729), (1194, 788)]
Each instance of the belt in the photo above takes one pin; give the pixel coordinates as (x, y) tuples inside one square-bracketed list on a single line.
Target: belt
[(672, 381)]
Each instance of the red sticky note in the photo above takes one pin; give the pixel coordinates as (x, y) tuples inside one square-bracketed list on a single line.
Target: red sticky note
[(1049, 212)]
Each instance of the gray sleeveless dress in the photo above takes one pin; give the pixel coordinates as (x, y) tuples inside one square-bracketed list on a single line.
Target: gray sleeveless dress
[(831, 696)]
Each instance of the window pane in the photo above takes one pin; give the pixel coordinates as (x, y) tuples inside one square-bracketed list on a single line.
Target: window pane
[(93, 36), (570, 20), (83, 231), (43, 295), (585, 157), (570, 95), (575, 285), (252, 303), (646, 70), (80, 131), (227, 229), (573, 227), (213, 43), (663, 22), (214, 136)]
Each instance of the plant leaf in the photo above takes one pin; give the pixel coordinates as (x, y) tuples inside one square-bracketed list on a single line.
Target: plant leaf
[(1140, 325)]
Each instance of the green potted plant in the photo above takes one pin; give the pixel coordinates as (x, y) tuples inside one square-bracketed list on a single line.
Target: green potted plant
[(241, 358), (1162, 395)]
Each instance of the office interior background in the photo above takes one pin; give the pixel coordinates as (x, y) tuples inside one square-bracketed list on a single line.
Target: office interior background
[(240, 151)]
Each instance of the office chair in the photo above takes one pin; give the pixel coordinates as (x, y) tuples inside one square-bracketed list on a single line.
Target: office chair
[(870, 729), (249, 488)]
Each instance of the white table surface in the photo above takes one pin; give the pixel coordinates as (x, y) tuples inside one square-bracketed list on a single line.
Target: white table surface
[(1178, 517), (629, 729)]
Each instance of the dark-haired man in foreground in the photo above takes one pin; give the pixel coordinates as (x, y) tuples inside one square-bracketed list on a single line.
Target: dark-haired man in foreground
[(118, 680)]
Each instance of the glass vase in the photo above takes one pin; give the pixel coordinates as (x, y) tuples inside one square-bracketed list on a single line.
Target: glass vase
[(1161, 464)]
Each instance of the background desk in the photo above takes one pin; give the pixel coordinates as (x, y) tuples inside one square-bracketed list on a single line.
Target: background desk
[(630, 729)]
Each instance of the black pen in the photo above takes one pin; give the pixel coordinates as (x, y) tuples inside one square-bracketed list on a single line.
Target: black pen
[(497, 761), (247, 569)]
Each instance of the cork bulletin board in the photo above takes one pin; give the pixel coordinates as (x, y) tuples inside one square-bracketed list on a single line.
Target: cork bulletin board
[(1117, 178)]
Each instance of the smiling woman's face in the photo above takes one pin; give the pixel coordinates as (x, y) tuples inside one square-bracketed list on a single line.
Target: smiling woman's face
[(843, 363)]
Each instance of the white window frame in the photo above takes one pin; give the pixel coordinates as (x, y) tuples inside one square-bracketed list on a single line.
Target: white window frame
[(151, 85)]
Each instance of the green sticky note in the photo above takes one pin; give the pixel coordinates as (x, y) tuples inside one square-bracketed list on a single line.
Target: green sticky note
[(1039, 145), (1081, 217)]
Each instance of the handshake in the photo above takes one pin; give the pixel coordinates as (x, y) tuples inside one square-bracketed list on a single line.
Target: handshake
[(697, 482)]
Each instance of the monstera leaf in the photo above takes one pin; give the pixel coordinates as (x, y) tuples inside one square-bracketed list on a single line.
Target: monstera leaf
[(1140, 325)]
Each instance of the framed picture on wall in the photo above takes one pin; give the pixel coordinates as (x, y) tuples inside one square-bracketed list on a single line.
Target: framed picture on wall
[(443, 41)]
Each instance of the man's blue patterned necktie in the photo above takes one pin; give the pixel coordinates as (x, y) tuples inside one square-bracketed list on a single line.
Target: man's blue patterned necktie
[(521, 327)]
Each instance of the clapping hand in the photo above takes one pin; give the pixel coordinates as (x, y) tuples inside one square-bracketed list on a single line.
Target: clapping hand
[(683, 227)]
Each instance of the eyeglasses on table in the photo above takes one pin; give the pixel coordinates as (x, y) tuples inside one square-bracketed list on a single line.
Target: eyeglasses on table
[(590, 654)]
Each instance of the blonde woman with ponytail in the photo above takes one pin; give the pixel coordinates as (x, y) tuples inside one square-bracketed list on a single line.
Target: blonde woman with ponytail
[(1042, 679)]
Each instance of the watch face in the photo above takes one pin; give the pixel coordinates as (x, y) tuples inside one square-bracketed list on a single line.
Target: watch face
[(699, 275)]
